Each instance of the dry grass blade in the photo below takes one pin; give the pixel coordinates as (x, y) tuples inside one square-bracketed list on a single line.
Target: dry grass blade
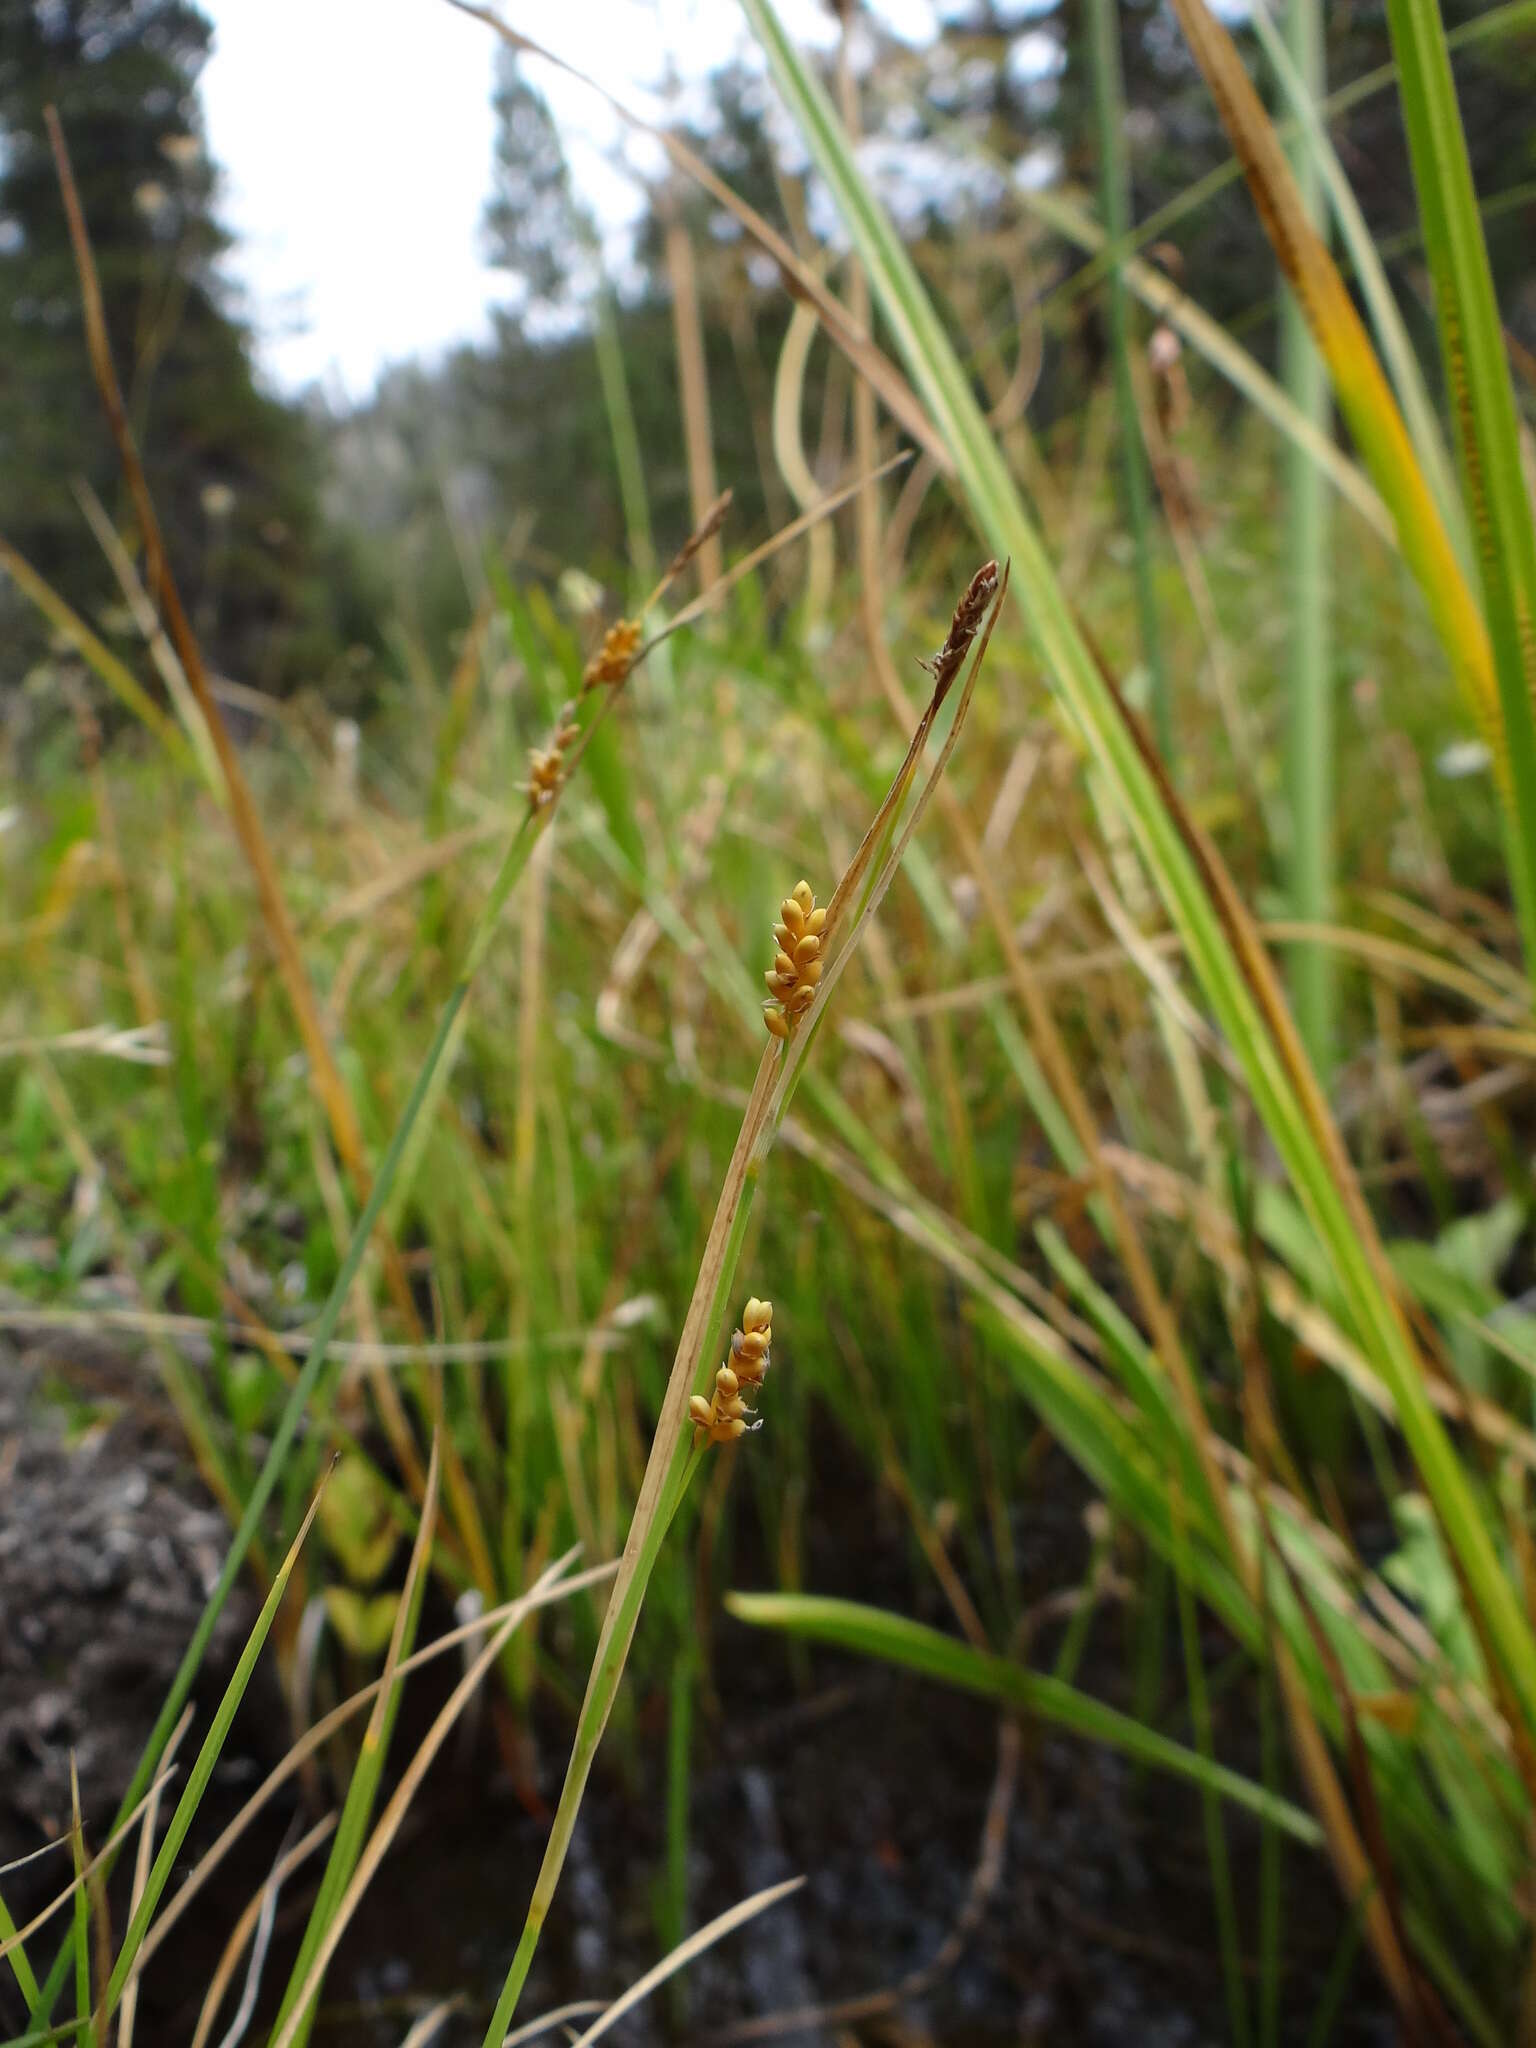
[(550, 1587), (707, 524), (558, 2016), (1364, 395), (850, 2012), (822, 509), (698, 440), (45, 1913), (371, 1758), (128, 2011), (119, 679), (163, 590), (431, 2023), (394, 1814), (685, 1953), (256, 1920)]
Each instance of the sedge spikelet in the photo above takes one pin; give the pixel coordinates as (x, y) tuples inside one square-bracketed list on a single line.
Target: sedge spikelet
[(728, 1412), (797, 961), (615, 658), (546, 765), (969, 613)]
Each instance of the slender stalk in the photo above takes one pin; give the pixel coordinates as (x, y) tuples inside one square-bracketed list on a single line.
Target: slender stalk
[(1215, 1834), (672, 1461), (1114, 186), (626, 440), (693, 382), (1308, 534)]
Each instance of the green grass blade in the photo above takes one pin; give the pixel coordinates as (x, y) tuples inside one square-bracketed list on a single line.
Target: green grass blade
[(626, 440), (1482, 404), (85, 2031), (16, 1956), (1215, 1835), (357, 1809), (1310, 735), (1114, 186), (871, 1632), (119, 679), (202, 1771)]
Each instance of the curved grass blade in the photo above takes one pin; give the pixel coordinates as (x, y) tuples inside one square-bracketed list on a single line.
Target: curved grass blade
[(872, 1632), (685, 1953)]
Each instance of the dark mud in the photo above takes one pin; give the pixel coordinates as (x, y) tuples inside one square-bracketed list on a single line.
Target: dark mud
[(1098, 1927), (107, 1555)]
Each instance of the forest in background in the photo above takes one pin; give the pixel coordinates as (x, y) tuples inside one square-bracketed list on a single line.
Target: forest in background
[(291, 524)]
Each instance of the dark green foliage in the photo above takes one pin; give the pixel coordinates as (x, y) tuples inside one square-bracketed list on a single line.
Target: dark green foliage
[(534, 225), (233, 471)]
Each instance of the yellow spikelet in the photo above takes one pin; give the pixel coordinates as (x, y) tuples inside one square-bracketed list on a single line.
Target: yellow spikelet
[(728, 1412), (797, 961)]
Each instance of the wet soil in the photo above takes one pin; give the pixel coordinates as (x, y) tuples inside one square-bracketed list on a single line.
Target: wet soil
[(1099, 1928)]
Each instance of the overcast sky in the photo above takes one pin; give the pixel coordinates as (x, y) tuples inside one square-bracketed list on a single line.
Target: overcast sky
[(356, 141)]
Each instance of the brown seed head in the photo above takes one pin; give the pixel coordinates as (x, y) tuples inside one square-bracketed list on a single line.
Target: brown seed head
[(546, 765), (969, 613), (615, 658)]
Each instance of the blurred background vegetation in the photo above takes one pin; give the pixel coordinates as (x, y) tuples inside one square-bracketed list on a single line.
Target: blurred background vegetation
[(298, 531)]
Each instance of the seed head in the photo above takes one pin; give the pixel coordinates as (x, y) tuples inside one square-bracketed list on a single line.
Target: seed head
[(969, 613), (728, 1412), (615, 658), (797, 961), (546, 765)]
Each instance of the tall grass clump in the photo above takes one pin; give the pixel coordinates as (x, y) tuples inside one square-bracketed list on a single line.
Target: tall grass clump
[(800, 983), (1070, 1169), (1215, 929)]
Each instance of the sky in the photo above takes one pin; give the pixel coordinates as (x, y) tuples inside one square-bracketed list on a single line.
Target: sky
[(356, 140)]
